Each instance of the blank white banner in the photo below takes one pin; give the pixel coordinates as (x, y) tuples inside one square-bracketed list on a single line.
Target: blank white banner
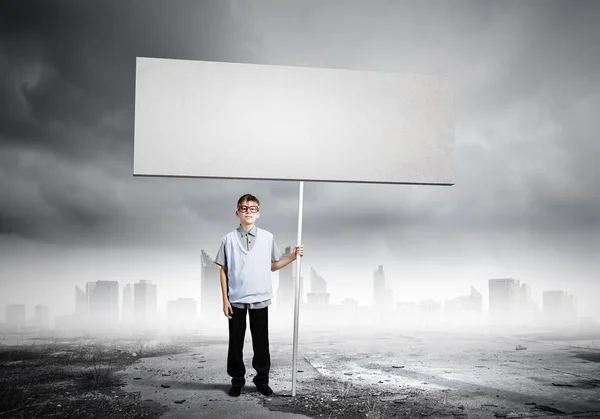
[(248, 121)]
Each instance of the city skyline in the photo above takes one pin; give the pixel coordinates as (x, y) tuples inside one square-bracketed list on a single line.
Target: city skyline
[(209, 271), (509, 299)]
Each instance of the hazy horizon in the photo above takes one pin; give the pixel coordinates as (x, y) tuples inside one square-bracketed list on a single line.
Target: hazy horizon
[(365, 301)]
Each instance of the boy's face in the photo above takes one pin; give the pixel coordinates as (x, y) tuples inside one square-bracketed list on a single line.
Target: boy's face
[(245, 214)]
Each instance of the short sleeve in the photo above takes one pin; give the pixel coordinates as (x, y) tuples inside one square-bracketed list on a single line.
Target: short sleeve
[(220, 258), (275, 253)]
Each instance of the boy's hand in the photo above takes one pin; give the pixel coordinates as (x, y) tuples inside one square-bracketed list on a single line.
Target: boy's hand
[(299, 250), (227, 309)]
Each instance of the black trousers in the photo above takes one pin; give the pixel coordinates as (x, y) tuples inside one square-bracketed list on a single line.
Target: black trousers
[(259, 328)]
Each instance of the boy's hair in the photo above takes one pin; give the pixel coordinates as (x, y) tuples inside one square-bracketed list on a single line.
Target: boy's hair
[(249, 198)]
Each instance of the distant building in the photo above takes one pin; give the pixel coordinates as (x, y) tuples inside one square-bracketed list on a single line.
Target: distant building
[(211, 301), (127, 310), (503, 297), (42, 316), (430, 310), (559, 307), (466, 304), (89, 291), (527, 308), (523, 296), (103, 303), (145, 304), (382, 296), (81, 304), (510, 302), (15, 315), (318, 297), (349, 304)]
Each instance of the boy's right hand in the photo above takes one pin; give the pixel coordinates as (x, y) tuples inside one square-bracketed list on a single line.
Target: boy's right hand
[(227, 309)]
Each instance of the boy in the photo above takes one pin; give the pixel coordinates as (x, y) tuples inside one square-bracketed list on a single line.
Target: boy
[(247, 257)]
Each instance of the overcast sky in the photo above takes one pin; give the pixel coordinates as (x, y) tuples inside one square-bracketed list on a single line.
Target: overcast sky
[(526, 203)]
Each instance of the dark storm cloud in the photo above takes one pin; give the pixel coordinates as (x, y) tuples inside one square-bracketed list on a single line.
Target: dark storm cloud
[(61, 67), (12, 225), (69, 74), (71, 65), (68, 71)]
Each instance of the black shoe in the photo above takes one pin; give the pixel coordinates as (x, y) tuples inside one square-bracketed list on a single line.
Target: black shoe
[(264, 389), (235, 391)]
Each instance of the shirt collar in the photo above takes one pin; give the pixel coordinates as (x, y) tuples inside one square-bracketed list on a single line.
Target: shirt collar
[(243, 231)]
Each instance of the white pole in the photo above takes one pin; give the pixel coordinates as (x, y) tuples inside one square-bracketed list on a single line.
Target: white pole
[(297, 291)]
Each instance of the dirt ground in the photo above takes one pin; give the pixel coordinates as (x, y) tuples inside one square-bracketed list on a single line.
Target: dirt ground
[(67, 378), (373, 377), (325, 398), (448, 375), (82, 378)]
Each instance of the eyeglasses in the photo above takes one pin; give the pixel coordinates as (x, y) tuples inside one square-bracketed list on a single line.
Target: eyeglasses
[(246, 208)]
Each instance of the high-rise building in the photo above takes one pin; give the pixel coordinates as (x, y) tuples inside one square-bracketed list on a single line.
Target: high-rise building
[(89, 291), (526, 307), (211, 300), (145, 304), (504, 294), (15, 315), (42, 316), (318, 297), (81, 304), (318, 285), (382, 296), (523, 295), (127, 312), (103, 299)]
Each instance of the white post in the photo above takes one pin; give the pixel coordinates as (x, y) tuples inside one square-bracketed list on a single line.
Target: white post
[(297, 290)]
